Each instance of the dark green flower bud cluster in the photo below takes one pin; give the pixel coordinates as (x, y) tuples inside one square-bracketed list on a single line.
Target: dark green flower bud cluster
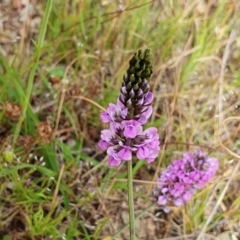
[(135, 85), (140, 67)]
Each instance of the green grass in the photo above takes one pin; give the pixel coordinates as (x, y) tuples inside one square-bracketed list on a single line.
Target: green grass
[(75, 61)]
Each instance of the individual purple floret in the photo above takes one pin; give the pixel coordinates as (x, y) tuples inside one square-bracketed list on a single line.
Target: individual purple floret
[(114, 113), (125, 136), (183, 177)]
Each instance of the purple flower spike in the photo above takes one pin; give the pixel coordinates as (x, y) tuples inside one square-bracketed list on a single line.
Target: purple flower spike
[(125, 137), (183, 177)]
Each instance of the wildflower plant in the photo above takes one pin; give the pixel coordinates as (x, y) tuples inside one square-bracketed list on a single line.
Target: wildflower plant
[(125, 137)]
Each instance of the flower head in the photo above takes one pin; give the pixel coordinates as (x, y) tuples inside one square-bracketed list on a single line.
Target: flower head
[(184, 176), (125, 136)]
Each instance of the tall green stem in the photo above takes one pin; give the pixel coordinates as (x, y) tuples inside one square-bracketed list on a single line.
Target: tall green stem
[(137, 217), (39, 46), (130, 201)]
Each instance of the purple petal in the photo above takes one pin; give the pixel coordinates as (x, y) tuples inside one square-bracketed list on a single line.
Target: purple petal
[(162, 200), (107, 135), (131, 128), (124, 113), (187, 180), (142, 120), (124, 90), (130, 132), (140, 101), (111, 151), (155, 144), (148, 98), (152, 133), (149, 159), (195, 176), (114, 126), (105, 117), (187, 196), (112, 110), (164, 190), (178, 202), (177, 190), (125, 154), (153, 152), (121, 108), (149, 111), (113, 162), (140, 92), (145, 115), (103, 145), (142, 153), (122, 98)]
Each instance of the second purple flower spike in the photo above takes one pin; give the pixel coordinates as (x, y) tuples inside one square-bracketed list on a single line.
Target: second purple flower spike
[(183, 177), (125, 136)]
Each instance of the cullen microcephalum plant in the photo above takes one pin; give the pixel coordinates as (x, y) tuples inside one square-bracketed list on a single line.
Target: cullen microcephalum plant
[(125, 137)]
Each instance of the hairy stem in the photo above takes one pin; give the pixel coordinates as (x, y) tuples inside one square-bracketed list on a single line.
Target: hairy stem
[(137, 217), (130, 201)]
